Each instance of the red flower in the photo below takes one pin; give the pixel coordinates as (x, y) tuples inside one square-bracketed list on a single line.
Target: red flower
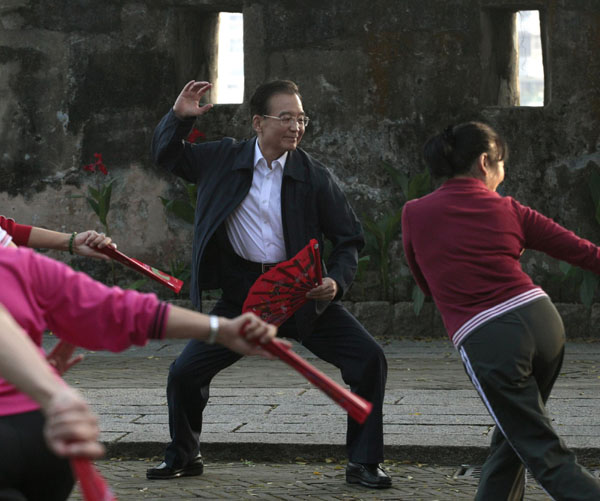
[(194, 135), (97, 164)]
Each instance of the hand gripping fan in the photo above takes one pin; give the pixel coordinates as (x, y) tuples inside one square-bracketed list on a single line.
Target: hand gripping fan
[(160, 276), (92, 484), (275, 296), (280, 291)]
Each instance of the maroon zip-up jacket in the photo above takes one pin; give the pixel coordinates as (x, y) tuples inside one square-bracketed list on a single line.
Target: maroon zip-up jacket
[(463, 243)]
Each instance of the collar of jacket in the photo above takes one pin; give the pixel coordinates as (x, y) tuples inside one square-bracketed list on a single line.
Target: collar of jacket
[(294, 165)]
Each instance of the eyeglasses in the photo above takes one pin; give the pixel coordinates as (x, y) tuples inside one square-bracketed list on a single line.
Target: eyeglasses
[(287, 120)]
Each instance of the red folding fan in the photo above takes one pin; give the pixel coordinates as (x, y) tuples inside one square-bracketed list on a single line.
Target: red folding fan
[(92, 484), (155, 274), (275, 296), (279, 292)]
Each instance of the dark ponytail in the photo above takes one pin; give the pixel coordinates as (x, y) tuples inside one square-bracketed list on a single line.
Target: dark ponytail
[(453, 151)]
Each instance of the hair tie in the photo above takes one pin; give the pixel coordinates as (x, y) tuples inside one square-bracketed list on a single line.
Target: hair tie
[(448, 135)]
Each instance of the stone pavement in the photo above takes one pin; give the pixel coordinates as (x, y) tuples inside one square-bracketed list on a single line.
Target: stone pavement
[(296, 480), (264, 418)]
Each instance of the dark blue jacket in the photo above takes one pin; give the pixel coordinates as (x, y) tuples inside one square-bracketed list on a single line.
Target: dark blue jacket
[(312, 205)]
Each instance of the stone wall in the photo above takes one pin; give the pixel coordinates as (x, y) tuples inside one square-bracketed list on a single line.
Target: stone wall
[(377, 78)]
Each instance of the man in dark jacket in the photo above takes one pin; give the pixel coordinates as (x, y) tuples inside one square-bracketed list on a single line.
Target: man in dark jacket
[(259, 202)]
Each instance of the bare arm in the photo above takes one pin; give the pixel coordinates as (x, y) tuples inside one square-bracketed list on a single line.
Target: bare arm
[(183, 323), (71, 429), (22, 364), (84, 244)]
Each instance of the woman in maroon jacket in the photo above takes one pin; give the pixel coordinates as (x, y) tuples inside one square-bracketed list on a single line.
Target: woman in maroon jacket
[(463, 243)]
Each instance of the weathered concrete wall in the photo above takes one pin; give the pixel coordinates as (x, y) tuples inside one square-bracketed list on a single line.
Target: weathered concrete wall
[(377, 78)]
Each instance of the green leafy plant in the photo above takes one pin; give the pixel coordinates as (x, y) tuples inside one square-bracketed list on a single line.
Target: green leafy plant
[(180, 269), (383, 233), (413, 187), (587, 280), (136, 285), (183, 209), (363, 263), (385, 230), (98, 197)]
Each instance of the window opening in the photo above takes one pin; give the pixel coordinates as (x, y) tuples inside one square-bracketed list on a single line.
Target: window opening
[(531, 65), (229, 87)]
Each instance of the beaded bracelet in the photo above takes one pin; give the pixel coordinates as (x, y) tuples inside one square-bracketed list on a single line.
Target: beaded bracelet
[(71, 242)]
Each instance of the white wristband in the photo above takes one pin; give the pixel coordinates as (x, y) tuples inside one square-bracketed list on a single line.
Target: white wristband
[(214, 329)]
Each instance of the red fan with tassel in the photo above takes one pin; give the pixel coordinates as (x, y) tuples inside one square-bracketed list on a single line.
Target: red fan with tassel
[(275, 297)]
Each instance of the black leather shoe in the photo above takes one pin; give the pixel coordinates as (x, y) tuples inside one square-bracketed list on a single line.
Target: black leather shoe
[(369, 475), (164, 472)]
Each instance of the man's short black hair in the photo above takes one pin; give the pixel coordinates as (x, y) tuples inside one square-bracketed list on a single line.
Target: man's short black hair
[(261, 96)]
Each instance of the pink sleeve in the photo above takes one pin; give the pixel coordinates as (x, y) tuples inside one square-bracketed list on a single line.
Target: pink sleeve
[(545, 235), (409, 253), (89, 314)]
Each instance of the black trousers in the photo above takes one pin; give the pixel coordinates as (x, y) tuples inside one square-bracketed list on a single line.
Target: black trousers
[(513, 362), (28, 469), (338, 338)]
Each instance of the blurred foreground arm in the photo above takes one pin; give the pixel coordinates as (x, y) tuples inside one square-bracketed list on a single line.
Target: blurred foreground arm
[(71, 429)]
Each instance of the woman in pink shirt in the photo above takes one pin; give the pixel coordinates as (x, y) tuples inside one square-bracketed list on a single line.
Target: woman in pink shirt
[(463, 243), (70, 427), (85, 244), (41, 294)]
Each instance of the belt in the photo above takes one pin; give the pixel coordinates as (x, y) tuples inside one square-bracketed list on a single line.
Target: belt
[(255, 267)]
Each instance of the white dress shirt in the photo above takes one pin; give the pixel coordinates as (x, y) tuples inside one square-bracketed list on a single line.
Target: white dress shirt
[(255, 228)]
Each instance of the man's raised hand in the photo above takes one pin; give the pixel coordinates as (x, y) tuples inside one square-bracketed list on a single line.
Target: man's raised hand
[(187, 104)]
